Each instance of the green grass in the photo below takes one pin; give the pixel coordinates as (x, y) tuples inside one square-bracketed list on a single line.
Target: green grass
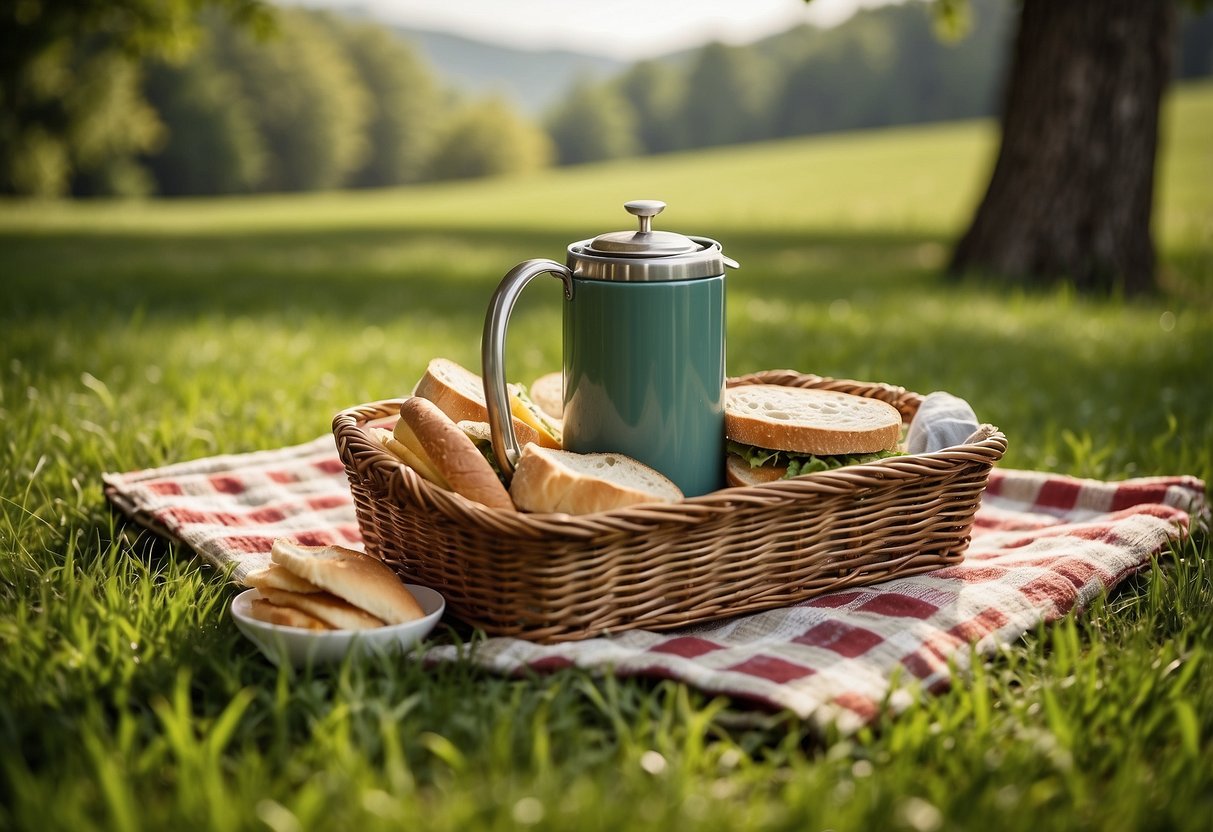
[(132, 335)]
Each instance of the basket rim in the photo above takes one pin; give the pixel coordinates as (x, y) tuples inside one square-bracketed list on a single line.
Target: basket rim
[(354, 442)]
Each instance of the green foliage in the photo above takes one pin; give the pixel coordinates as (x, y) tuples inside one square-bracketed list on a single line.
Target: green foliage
[(164, 97), (487, 138), (71, 113), (884, 66), (140, 334), (593, 124), (306, 99), (405, 103), (655, 90), (727, 97), (211, 143)]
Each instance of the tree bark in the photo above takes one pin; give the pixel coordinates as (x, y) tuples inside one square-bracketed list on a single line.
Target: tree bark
[(1072, 190)]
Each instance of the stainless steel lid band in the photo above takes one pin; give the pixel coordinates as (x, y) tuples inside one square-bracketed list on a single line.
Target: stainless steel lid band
[(707, 261)]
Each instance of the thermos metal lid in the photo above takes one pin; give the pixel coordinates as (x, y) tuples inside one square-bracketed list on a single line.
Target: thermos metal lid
[(646, 255)]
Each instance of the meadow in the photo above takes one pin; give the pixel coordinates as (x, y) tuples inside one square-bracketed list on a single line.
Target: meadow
[(137, 334)]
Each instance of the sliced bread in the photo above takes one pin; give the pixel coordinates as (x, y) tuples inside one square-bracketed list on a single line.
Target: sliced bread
[(277, 576), (459, 393), (547, 480), (809, 421), (336, 613), (263, 610), (739, 473), (359, 580)]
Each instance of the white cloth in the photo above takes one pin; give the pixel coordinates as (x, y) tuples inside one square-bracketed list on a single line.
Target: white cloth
[(942, 420)]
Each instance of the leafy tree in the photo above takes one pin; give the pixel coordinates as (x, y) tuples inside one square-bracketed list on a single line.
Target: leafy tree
[(727, 97), (71, 115), (837, 86), (487, 138), (592, 124), (306, 98), (211, 143), (887, 66), (404, 105), (654, 90)]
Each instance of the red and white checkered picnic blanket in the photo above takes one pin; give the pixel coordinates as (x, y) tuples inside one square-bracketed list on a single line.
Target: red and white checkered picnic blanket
[(1042, 545)]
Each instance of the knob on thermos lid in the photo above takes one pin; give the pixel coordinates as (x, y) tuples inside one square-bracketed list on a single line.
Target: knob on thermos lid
[(644, 254), (645, 242)]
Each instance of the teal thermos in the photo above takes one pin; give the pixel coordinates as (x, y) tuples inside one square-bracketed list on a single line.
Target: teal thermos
[(644, 350)]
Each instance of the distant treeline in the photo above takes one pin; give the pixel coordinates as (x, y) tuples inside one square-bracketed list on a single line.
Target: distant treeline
[(885, 66), (325, 102)]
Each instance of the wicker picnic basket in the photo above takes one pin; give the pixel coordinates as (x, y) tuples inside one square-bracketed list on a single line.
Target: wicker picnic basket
[(555, 577)]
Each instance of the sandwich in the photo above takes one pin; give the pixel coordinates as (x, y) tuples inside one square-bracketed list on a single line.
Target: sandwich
[(774, 432), (329, 588), (431, 444), (547, 480), (482, 437), (459, 393)]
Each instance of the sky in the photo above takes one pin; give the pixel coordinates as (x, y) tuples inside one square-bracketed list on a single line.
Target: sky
[(626, 29)]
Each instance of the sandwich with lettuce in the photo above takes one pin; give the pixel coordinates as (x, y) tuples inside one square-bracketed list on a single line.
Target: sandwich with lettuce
[(773, 432)]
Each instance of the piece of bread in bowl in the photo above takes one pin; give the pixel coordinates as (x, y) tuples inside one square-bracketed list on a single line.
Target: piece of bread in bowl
[(277, 576), (775, 432), (263, 610), (547, 480), (353, 577), (333, 611), (329, 588)]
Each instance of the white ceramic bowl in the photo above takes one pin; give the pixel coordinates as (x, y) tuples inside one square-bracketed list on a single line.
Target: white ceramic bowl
[(299, 647)]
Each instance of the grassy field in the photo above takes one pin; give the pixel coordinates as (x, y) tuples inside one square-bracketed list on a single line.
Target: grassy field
[(132, 335)]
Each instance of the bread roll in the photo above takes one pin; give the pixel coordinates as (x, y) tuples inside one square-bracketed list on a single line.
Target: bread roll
[(359, 580), (809, 421), (561, 481)]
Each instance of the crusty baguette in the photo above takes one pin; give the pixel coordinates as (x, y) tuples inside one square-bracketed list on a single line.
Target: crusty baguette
[(263, 610), (459, 393), (739, 473), (277, 576), (336, 613), (435, 438), (547, 391), (548, 480), (357, 579), (809, 421)]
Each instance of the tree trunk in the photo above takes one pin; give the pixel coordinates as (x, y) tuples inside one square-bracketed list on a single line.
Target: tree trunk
[(1073, 188)]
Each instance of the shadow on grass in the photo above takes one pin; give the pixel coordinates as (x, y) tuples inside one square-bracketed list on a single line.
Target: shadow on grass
[(863, 305), (347, 272)]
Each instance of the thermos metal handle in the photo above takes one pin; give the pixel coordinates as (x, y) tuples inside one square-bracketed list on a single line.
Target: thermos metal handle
[(492, 354)]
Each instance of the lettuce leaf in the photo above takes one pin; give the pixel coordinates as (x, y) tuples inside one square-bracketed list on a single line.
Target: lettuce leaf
[(485, 446), (798, 464)]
